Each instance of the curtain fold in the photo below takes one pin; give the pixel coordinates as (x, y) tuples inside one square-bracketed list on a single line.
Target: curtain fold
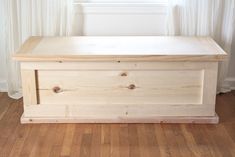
[(21, 19), (213, 18)]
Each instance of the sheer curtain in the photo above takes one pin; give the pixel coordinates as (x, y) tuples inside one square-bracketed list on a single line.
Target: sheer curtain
[(213, 18), (23, 18)]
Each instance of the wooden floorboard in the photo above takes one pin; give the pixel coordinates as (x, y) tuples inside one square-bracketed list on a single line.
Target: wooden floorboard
[(116, 140)]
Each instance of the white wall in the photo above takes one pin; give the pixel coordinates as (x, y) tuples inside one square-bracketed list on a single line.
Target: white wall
[(122, 19)]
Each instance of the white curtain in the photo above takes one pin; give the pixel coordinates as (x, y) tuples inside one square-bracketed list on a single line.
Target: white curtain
[(23, 18), (213, 18)]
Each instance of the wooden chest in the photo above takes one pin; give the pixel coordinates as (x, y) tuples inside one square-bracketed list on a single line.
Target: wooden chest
[(119, 79)]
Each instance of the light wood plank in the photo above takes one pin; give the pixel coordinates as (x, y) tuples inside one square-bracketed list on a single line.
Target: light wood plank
[(123, 49), (117, 65), (110, 87), (29, 87), (29, 45), (117, 111), (145, 119), (210, 85)]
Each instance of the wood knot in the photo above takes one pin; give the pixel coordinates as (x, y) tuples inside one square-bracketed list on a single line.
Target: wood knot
[(131, 86), (124, 74), (57, 89)]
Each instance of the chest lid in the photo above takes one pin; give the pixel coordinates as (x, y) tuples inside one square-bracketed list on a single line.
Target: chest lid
[(120, 48)]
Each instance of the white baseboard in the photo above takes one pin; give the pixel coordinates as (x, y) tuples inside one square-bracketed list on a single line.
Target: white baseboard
[(3, 86), (231, 82)]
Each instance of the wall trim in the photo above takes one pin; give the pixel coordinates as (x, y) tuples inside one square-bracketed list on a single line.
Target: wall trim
[(230, 81), (120, 8), (3, 86)]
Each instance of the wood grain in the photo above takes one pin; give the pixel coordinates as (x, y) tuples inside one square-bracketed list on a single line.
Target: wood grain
[(68, 90), (89, 79), (29, 87), (134, 48), (109, 87), (117, 140)]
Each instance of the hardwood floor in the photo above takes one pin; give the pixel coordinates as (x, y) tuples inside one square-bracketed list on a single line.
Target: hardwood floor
[(116, 140)]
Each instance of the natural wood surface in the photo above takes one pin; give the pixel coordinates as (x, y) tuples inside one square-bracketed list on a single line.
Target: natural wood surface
[(116, 140), (117, 48), (115, 92), (116, 78), (136, 120), (139, 87), (28, 78)]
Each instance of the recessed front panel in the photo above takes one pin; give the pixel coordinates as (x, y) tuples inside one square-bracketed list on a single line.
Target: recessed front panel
[(120, 87)]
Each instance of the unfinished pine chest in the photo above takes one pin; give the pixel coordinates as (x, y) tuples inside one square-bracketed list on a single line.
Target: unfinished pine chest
[(119, 79)]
